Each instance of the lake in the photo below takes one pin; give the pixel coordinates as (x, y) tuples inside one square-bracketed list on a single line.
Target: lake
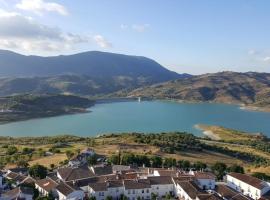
[(145, 116)]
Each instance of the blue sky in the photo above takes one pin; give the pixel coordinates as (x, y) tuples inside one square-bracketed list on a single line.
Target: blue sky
[(188, 36)]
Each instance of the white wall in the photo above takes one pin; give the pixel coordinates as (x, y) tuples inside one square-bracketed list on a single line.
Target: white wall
[(162, 190), (132, 194), (245, 188), (208, 184), (74, 195), (181, 193)]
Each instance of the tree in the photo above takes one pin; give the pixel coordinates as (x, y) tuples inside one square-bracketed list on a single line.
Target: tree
[(114, 159), (92, 160), (261, 176), (38, 171), (199, 165), (123, 197), (154, 196), (52, 166), (92, 198), (157, 161), (22, 163), (108, 198), (11, 150), (219, 169), (236, 168), (69, 154)]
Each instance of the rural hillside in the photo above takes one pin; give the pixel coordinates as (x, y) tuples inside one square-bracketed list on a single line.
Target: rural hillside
[(88, 73), (225, 87)]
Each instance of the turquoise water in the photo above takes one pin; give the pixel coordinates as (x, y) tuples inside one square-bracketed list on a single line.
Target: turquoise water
[(146, 116)]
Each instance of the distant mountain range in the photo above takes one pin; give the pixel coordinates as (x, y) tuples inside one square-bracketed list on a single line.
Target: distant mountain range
[(252, 89), (88, 73)]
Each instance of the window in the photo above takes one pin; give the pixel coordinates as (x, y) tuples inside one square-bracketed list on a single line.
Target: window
[(147, 191), (142, 191), (133, 191), (128, 191), (157, 187)]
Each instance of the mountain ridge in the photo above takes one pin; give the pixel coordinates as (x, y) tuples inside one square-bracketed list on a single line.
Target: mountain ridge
[(250, 88)]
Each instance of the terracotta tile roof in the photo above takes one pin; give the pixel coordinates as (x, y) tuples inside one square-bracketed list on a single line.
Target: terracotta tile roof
[(209, 197), (229, 193), (160, 180), (15, 193), (69, 174), (12, 175), (190, 188), (103, 170), (65, 189), (167, 172), (204, 175), (253, 181), (240, 197), (225, 191), (137, 184), (98, 186), (47, 184)]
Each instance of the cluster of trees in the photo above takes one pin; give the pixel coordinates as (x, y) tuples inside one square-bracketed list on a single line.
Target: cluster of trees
[(248, 157), (220, 169), (170, 142), (154, 161)]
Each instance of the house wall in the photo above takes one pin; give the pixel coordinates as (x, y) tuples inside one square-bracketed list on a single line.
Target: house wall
[(245, 188), (1, 181), (181, 193), (78, 195), (116, 192), (162, 190), (132, 194), (207, 184)]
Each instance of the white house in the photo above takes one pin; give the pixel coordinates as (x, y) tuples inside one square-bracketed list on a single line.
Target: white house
[(46, 186), (205, 180), (161, 185), (18, 193), (248, 185), (137, 188), (187, 190), (68, 192), (98, 190)]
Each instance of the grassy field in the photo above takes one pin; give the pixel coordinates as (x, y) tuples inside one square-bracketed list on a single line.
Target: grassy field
[(228, 135), (109, 145)]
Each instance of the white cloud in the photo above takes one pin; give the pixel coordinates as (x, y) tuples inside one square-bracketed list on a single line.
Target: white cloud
[(123, 26), (140, 27), (252, 52), (102, 42), (40, 6), (266, 59), (18, 32)]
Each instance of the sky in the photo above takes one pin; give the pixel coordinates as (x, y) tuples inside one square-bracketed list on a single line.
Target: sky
[(186, 36)]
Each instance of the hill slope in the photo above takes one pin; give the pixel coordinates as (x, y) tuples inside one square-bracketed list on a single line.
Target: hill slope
[(226, 87), (88, 73), (92, 63), (22, 107)]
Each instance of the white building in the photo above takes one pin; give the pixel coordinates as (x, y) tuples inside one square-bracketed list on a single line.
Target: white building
[(205, 180), (248, 185), (18, 193), (46, 186), (68, 192)]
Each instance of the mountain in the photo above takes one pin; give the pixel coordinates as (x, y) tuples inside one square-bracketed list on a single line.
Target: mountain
[(88, 73), (92, 63), (249, 88)]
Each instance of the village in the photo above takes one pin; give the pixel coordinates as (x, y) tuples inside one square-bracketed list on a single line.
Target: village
[(78, 181)]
